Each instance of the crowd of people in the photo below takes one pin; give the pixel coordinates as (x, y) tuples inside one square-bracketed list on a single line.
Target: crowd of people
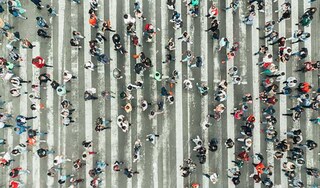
[(304, 94)]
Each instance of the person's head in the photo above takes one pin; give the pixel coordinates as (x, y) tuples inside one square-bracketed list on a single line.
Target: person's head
[(16, 129), (49, 174), (15, 151), (48, 6), (11, 174), (314, 145), (33, 107), (185, 34), (55, 161), (38, 18), (125, 16)]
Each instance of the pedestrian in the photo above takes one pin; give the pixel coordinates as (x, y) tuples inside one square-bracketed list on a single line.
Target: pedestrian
[(67, 76), (60, 159), (224, 42), (15, 172), (41, 22), (185, 37), (42, 33), (152, 138), (39, 62), (64, 178), (129, 172), (43, 152), (117, 166), (106, 26), (310, 144), (51, 10), (213, 178)]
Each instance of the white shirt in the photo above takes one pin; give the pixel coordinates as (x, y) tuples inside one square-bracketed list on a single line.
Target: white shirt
[(89, 66), (130, 19), (144, 105), (291, 82), (67, 76), (214, 178)]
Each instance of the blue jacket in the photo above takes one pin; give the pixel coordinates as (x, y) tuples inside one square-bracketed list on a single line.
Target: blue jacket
[(21, 129)]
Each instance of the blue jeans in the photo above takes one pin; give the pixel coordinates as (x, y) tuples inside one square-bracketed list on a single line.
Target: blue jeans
[(54, 13), (106, 122)]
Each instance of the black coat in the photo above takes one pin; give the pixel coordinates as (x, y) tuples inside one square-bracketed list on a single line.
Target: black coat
[(36, 2)]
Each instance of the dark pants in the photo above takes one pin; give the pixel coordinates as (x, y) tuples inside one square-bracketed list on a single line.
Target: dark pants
[(207, 175), (28, 118)]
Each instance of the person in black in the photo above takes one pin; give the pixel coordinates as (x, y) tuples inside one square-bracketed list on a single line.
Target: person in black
[(89, 96), (42, 33), (229, 143), (86, 144), (285, 15), (310, 144), (213, 145), (214, 26), (129, 172), (44, 152)]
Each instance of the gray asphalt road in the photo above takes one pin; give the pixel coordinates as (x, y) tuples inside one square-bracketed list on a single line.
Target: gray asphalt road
[(159, 163)]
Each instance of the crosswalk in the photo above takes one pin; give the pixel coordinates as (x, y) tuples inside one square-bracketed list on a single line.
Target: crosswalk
[(181, 121)]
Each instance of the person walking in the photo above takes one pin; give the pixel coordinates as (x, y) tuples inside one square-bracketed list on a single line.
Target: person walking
[(213, 177), (152, 138), (39, 62), (15, 172)]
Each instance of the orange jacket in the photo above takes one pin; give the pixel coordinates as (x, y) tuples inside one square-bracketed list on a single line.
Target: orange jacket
[(93, 20)]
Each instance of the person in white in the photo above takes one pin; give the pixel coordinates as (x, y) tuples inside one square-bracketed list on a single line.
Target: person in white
[(291, 81), (153, 114), (127, 18), (198, 142), (67, 76), (89, 65), (144, 105), (187, 84), (60, 159)]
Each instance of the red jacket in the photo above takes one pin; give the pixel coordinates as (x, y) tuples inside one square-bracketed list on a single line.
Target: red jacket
[(38, 62), (14, 172), (260, 168), (305, 87), (14, 184)]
